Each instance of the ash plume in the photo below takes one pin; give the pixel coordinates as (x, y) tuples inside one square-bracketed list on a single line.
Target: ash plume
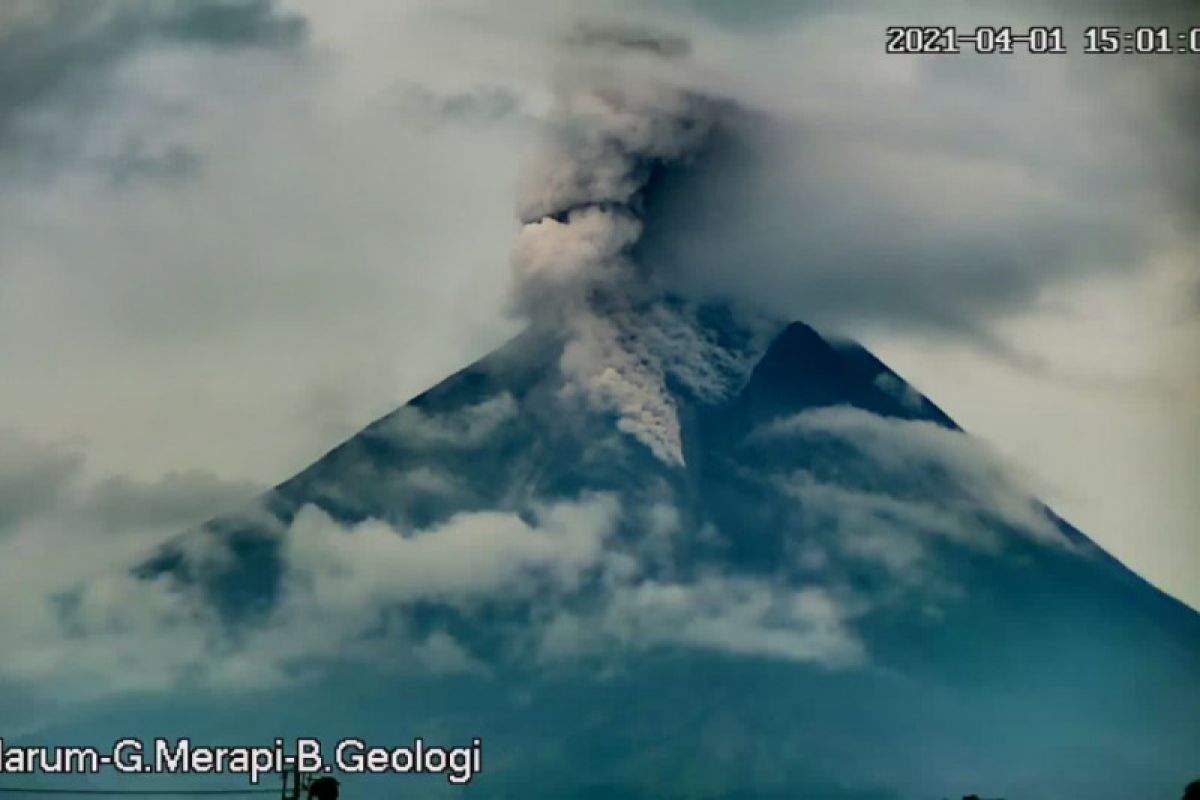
[(581, 209)]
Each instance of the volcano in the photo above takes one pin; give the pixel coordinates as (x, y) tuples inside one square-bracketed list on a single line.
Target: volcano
[(819, 587)]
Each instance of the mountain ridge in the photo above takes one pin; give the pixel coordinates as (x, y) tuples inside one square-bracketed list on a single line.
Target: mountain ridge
[(831, 542)]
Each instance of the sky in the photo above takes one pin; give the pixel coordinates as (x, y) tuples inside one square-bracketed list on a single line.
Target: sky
[(232, 234)]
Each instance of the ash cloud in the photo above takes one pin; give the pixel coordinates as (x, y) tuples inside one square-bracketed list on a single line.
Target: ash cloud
[(937, 197), (582, 207), (581, 201)]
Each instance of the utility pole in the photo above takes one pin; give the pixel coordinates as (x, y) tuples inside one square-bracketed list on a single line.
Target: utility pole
[(296, 784)]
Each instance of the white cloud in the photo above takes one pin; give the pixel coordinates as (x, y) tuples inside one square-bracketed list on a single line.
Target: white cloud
[(743, 616), (73, 610), (430, 481), (342, 579), (302, 281), (345, 594), (471, 556), (892, 531), (466, 427), (32, 475), (907, 394), (99, 630), (907, 452)]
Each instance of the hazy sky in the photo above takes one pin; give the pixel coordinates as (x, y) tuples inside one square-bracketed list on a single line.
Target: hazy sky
[(232, 234)]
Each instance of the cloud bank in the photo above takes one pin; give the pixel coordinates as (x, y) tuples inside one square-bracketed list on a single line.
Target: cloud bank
[(538, 583), (352, 594)]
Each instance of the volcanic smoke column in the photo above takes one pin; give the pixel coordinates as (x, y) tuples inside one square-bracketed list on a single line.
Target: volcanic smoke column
[(580, 210)]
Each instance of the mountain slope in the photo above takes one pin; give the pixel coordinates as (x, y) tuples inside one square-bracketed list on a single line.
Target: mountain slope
[(835, 593)]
